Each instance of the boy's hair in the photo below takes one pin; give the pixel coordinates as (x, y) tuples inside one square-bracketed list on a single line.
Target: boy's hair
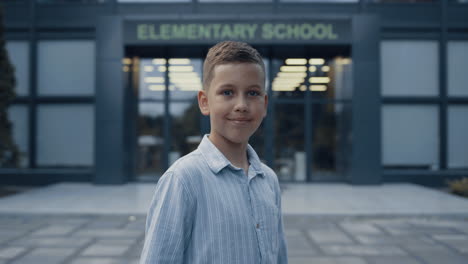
[(229, 52)]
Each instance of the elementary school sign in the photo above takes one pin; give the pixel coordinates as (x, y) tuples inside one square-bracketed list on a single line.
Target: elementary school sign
[(330, 31)]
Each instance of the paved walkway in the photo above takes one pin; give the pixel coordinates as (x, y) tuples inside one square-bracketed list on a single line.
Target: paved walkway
[(325, 224)]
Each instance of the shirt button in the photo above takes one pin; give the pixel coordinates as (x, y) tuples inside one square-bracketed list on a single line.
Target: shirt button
[(258, 225)]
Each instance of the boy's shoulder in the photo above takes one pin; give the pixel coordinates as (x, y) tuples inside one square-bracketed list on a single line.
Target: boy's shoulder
[(186, 167)]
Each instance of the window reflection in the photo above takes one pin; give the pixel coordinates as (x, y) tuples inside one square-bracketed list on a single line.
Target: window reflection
[(150, 139), (290, 157), (185, 133), (152, 78), (331, 146), (185, 78)]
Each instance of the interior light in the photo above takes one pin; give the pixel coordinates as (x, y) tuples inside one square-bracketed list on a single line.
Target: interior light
[(159, 61), (191, 88), (180, 68), (186, 81), (292, 74), (325, 68), (316, 61), (162, 68), (126, 68), (179, 61), (293, 68), (183, 75), (312, 69), (302, 88), (296, 61), (279, 88), (126, 61), (318, 88), (149, 68), (346, 61), (154, 80), (319, 79), (157, 87)]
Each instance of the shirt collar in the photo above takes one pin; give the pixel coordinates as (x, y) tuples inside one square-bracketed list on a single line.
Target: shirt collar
[(217, 161)]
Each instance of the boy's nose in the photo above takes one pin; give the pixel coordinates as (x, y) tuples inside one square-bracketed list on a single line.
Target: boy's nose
[(241, 104)]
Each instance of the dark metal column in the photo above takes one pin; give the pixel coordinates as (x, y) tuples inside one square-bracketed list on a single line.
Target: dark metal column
[(366, 103), (110, 158)]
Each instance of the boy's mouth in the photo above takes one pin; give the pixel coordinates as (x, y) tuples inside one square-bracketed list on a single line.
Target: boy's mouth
[(239, 120)]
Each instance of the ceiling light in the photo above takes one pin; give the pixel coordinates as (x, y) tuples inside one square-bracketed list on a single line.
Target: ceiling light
[(293, 68), (296, 61), (149, 68), (154, 80), (179, 61), (317, 61), (318, 88), (157, 87), (312, 69), (180, 68), (159, 61), (325, 68), (319, 79)]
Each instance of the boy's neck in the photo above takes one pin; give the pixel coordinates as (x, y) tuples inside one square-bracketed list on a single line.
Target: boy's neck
[(236, 153)]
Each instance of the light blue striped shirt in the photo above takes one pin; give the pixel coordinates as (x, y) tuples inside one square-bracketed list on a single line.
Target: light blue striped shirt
[(205, 210)]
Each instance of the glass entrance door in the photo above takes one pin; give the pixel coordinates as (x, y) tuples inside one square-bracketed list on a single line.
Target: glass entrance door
[(306, 136), (169, 122)]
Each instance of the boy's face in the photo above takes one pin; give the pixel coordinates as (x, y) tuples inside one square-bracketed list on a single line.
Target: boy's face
[(235, 101)]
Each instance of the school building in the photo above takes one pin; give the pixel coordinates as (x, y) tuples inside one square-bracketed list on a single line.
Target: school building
[(360, 91)]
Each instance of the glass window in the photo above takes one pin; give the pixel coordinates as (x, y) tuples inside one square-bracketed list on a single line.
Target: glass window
[(72, 1), (66, 67), (320, 1), (410, 137), (331, 141), (457, 63), (234, 1), (185, 130), (290, 77), (152, 78), (65, 135), (457, 141), (290, 157), (341, 79), (185, 78), (18, 116), (150, 139), (409, 68), (152, 1), (19, 56)]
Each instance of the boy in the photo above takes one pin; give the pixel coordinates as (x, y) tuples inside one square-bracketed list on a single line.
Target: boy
[(220, 204)]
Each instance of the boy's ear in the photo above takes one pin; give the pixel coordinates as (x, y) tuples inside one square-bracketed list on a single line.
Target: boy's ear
[(203, 102)]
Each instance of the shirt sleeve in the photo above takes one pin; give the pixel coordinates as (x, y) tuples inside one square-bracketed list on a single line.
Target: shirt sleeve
[(283, 251), (168, 223)]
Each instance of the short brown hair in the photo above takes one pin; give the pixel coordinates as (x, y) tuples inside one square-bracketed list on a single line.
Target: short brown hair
[(229, 52)]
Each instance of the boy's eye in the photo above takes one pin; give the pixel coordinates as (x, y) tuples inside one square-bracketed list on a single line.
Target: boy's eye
[(253, 93), (227, 92)]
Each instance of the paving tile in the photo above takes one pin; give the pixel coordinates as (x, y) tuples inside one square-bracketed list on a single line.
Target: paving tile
[(392, 260), (55, 242), (438, 258), (103, 233), (360, 250), (11, 252), (98, 250), (329, 236), (385, 239), (55, 230), (45, 255), (326, 260), (89, 260), (361, 228)]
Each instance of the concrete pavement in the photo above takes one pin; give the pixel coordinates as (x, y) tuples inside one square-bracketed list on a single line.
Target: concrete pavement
[(325, 224)]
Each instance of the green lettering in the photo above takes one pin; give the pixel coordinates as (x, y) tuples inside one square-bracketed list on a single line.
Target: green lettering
[(307, 31), (292, 31), (239, 31), (142, 31), (179, 31), (321, 32), (165, 31), (204, 31), (331, 34), (191, 31), (279, 31), (216, 30), (226, 32), (251, 28), (152, 32), (267, 31)]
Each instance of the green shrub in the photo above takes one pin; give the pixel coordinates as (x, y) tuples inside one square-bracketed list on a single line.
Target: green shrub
[(459, 187)]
